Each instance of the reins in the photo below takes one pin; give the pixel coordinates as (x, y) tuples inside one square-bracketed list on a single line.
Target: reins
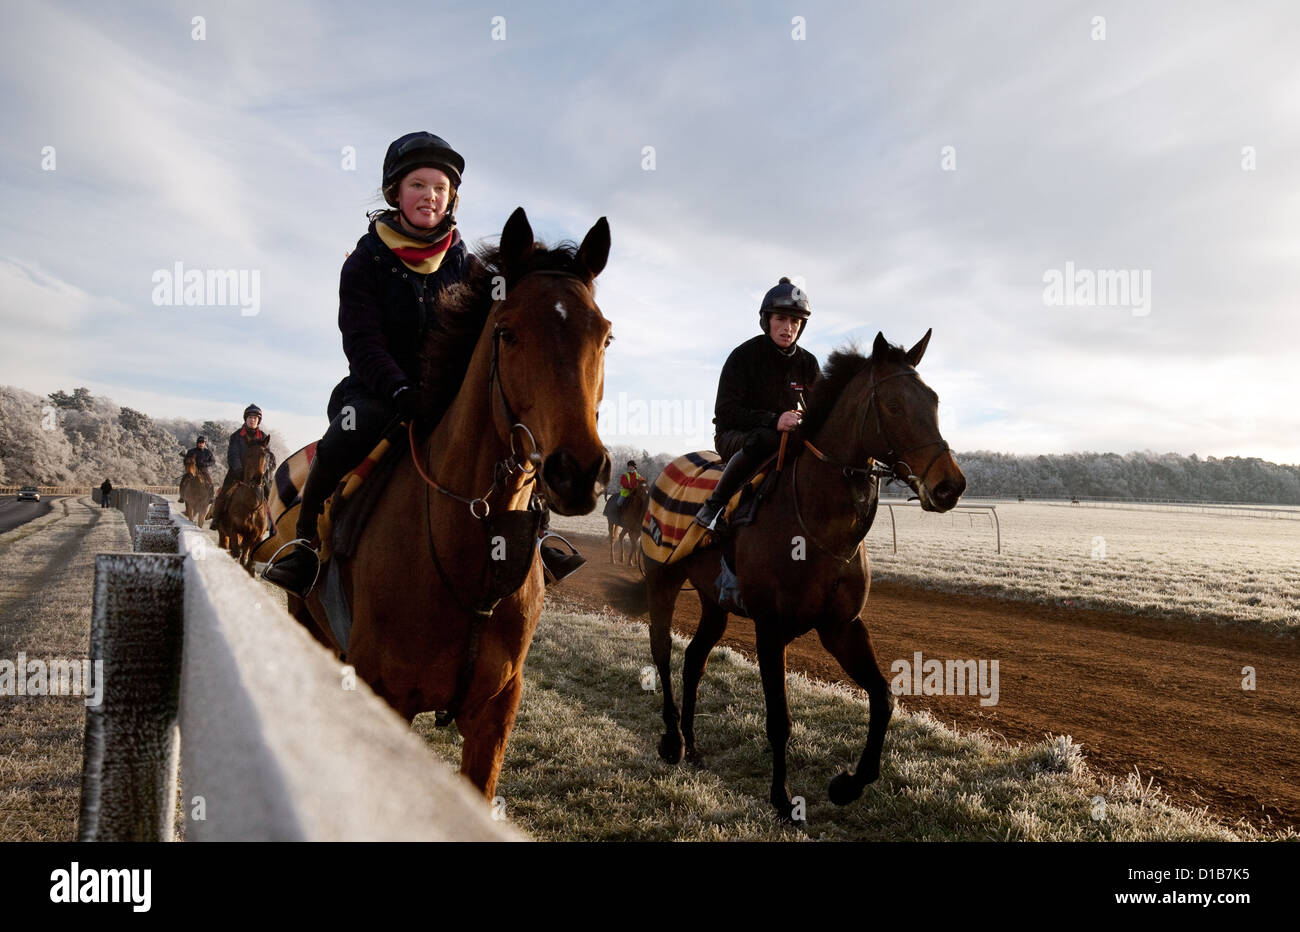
[(480, 508)]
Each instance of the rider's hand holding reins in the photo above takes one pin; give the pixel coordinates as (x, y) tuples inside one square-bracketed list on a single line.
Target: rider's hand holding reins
[(789, 420)]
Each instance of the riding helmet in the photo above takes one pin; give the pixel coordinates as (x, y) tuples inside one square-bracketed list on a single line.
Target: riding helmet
[(419, 150), (786, 298), (253, 409)]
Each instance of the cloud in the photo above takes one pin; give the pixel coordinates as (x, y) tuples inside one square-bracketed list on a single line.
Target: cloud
[(819, 159)]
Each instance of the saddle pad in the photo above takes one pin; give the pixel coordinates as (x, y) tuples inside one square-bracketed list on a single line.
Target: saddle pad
[(668, 531), (286, 498), (286, 490)]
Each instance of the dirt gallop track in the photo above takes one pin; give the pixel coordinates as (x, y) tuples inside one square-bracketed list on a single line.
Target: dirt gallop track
[(1163, 696)]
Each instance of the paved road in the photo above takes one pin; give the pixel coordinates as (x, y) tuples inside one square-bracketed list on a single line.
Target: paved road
[(14, 512)]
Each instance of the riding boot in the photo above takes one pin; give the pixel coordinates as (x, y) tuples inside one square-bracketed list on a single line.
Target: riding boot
[(297, 571), (739, 468)]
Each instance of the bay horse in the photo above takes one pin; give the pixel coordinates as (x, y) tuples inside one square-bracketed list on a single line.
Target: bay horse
[(244, 521), (624, 523), (196, 492), (445, 588), (800, 564)]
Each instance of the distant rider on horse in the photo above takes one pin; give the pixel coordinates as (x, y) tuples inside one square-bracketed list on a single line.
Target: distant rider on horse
[(627, 484), (203, 460), (760, 393), (235, 451)]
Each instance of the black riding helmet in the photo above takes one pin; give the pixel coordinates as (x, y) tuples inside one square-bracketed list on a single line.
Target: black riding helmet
[(253, 409), (419, 150), (785, 298)]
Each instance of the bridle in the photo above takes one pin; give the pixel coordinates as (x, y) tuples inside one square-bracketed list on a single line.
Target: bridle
[(514, 464), (480, 508), (877, 468), (874, 469)]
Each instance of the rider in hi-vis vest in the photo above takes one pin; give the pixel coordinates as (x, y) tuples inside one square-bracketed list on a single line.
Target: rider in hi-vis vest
[(627, 484)]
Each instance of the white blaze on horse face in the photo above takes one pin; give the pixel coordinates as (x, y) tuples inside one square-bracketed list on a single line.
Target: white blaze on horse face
[(559, 309)]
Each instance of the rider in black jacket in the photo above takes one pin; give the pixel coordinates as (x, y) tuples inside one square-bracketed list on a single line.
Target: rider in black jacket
[(203, 459), (761, 392), (235, 449), (388, 291)]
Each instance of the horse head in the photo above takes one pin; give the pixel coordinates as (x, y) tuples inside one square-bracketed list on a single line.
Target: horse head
[(541, 351), (255, 458), (891, 416)]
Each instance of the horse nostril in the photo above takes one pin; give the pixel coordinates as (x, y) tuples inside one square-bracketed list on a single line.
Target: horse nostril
[(946, 493)]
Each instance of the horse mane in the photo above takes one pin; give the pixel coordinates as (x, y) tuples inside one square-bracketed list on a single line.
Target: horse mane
[(461, 311), (843, 366)]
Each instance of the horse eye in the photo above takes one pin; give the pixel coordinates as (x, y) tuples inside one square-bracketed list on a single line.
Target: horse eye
[(508, 337), (609, 339)]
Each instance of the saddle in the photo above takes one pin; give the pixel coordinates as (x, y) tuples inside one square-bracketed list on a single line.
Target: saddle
[(669, 531)]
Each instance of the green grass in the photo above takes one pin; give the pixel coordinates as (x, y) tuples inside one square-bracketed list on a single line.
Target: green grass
[(582, 764)]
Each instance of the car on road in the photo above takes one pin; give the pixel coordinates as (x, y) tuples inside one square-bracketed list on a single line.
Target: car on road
[(28, 493)]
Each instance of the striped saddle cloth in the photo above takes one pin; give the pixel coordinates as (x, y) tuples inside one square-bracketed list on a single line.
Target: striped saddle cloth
[(668, 531)]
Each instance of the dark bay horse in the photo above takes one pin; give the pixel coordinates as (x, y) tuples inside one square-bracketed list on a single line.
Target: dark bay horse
[(444, 585), (624, 521), (800, 564), (196, 492), (244, 522)]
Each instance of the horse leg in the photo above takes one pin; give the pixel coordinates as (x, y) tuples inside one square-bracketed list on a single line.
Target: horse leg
[(300, 610), (713, 622), (612, 530), (771, 665), (485, 731), (850, 644), (662, 592)]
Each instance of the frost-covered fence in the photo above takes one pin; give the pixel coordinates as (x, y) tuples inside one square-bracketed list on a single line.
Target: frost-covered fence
[(207, 676)]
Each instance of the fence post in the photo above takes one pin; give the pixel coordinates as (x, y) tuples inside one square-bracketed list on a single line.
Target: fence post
[(128, 786)]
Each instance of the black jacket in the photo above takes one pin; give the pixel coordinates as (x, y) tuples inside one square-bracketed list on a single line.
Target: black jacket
[(203, 458), (238, 446), (384, 311), (759, 382)]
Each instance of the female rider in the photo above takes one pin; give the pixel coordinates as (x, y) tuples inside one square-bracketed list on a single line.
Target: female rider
[(387, 294)]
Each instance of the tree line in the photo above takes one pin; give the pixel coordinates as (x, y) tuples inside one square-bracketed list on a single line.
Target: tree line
[(79, 438), (82, 439), (1094, 475)]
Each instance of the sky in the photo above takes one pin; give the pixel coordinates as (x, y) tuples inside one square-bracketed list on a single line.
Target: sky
[(971, 168)]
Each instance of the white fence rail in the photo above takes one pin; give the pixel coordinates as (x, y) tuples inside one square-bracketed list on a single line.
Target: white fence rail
[(991, 510), (210, 683)]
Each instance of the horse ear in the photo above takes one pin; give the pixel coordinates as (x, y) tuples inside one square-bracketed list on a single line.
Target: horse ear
[(880, 348), (516, 241), (594, 251), (916, 352)]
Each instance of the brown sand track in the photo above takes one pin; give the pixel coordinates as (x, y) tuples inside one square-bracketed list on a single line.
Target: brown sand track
[(1164, 696)]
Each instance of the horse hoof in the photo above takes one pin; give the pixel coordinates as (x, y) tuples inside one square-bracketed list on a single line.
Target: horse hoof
[(844, 789), (670, 748), (784, 809), (694, 757)]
